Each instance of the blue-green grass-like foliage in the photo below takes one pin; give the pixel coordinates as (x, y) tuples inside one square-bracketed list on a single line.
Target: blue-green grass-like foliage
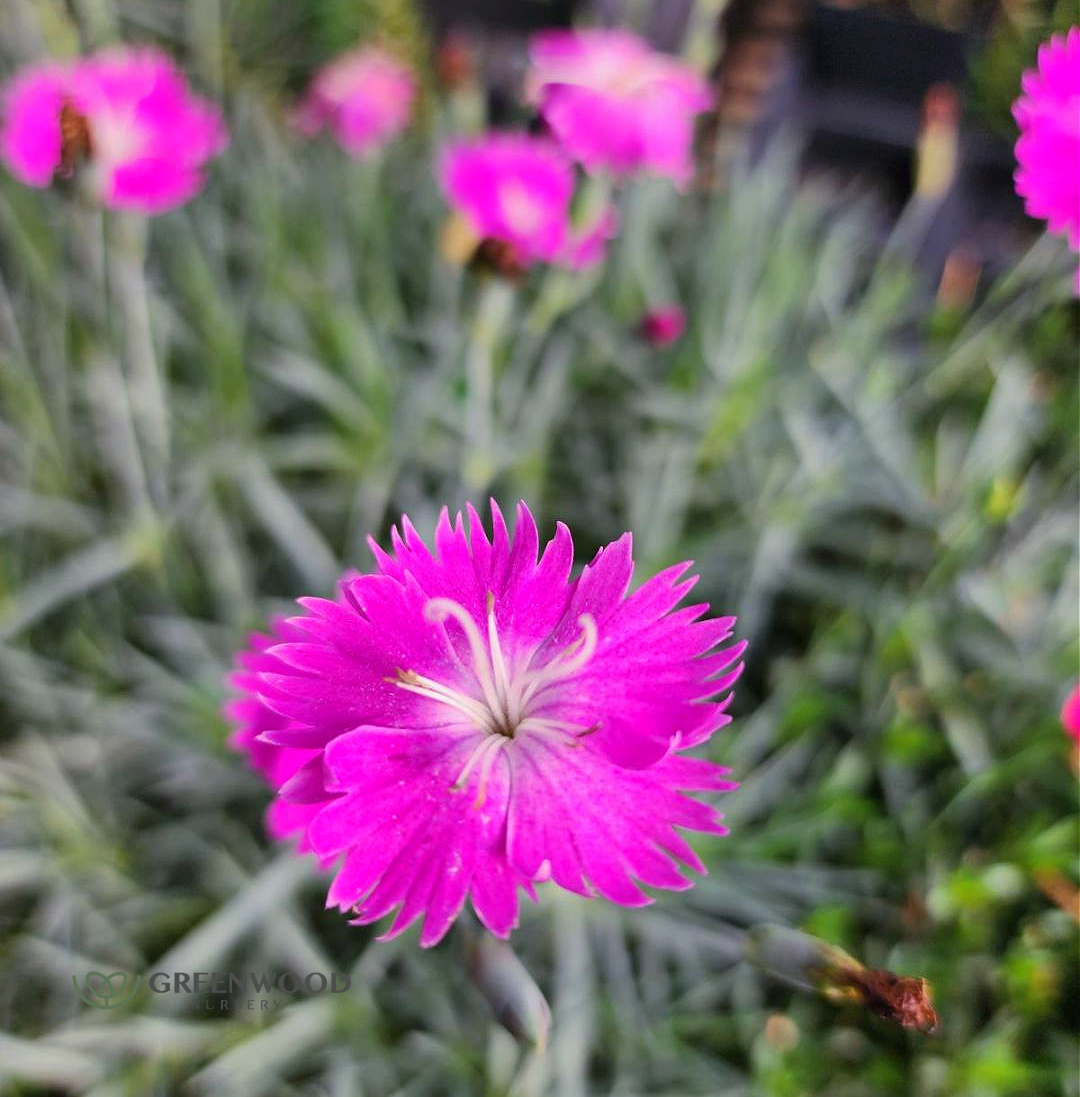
[(203, 417)]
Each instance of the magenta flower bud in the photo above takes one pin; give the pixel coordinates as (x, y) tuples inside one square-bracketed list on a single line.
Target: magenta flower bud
[(663, 326)]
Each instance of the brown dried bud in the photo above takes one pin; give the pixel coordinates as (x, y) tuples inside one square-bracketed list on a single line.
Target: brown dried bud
[(454, 62), (460, 245), (812, 964), (499, 257), (74, 138), (941, 104), (896, 998)]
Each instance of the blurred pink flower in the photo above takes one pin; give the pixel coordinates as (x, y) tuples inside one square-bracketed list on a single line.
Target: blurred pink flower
[(1048, 150), (1070, 713), (364, 97), (663, 326), (518, 189), (128, 112), (614, 102), (479, 721)]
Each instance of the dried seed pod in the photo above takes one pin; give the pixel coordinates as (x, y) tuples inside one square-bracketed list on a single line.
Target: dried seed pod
[(812, 964)]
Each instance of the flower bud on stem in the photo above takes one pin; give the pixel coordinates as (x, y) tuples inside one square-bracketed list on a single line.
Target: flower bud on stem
[(517, 1003), (812, 964)]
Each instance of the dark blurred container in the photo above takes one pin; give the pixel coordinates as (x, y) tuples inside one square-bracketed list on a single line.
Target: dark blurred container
[(495, 33), (859, 88), (665, 25), (860, 52), (520, 16), (862, 80)]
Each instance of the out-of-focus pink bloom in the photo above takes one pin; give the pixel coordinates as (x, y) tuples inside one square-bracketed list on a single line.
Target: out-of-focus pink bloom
[(128, 112), (1070, 713), (480, 721), (518, 189), (663, 326), (364, 97), (614, 102), (1048, 150)]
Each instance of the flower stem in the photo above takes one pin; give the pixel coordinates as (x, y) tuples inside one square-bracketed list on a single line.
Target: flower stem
[(127, 278), (493, 308)]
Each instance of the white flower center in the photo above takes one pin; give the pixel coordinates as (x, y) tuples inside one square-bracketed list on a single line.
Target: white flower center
[(505, 702), (523, 211), (117, 136)]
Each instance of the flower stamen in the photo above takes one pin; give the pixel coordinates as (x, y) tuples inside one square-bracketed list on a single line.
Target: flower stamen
[(436, 691), (565, 664), (438, 610), (557, 730), (508, 701), (498, 665), (484, 756)]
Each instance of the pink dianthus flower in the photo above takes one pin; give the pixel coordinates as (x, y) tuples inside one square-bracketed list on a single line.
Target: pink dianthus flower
[(518, 189), (128, 112), (1048, 149), (479, 721), (614, 102), (364, 97)]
